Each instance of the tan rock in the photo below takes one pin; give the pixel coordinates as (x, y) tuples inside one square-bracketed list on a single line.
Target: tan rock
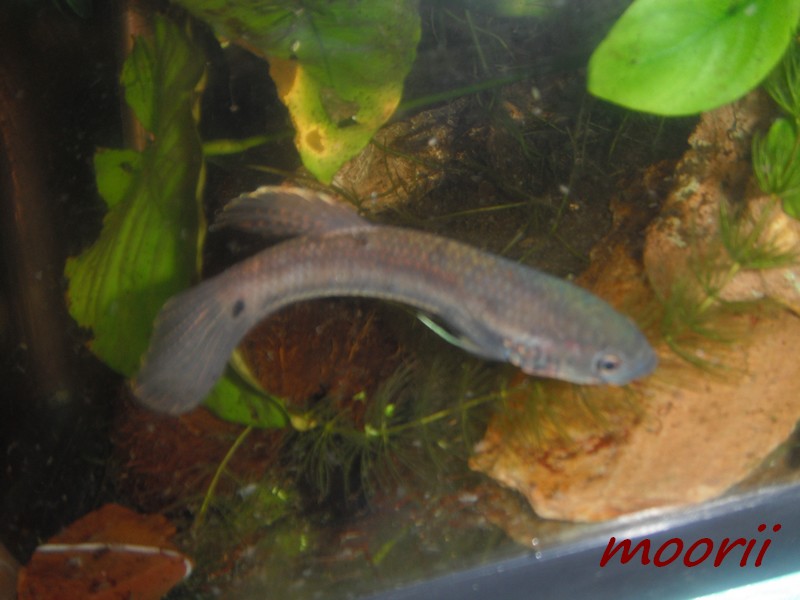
[(685, 240), (687, 433)]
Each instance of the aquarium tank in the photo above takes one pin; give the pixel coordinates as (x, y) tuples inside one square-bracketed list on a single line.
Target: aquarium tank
[(399, 298)]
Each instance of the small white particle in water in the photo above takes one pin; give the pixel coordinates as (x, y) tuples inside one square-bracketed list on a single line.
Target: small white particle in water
[(534, 542), (247, 490), (295, 45), (563, 189), (536, 93), (751, 10), (433, 141)]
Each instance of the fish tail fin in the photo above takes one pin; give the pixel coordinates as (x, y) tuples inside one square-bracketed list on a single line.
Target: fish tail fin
[(192, 340), (281, 212)]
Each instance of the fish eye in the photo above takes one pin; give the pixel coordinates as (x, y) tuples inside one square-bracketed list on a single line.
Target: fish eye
[(607, 363)]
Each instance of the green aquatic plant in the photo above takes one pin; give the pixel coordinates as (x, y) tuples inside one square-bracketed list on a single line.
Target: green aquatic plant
[(149, 247), (689, 324), (262, 520), (694, 311), (777, 165), (239, 397), (339, 66), (419, 419), (212, 487), (776, 160), (680, 57), (783, 84), (746, 241)]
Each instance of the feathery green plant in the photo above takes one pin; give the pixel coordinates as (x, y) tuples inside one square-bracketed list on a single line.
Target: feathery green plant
[(418, 418), (693, 309), (776, 160)]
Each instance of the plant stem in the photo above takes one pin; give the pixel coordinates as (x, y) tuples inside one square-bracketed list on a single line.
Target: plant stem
[(712, 296), (217, 474)]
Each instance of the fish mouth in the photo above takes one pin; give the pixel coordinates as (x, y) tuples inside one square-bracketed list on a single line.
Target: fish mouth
[(645, 364), (636, 367)]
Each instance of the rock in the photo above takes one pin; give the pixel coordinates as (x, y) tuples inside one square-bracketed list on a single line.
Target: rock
[(108, 554), (688, 433), (686, 239)]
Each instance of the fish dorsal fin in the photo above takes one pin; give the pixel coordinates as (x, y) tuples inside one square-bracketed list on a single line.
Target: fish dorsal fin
[(282, 212)]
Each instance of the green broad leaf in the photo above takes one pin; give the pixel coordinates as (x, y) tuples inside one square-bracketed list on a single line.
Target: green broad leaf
[(679, 57), (148, 248), (339, 65), (114, 174), (233, 399), (238, 397)]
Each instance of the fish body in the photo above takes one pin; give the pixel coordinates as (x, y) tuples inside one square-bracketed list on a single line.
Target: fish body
[(501, 310)]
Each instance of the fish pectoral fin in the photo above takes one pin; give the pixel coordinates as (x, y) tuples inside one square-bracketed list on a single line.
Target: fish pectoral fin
[(282, 212), (451, 338)]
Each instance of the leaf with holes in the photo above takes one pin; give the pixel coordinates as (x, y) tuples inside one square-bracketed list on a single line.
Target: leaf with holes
[(339, 65)]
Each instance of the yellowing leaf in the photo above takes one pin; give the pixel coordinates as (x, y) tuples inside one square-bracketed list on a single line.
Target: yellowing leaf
[(339, 65), (330, 129)]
